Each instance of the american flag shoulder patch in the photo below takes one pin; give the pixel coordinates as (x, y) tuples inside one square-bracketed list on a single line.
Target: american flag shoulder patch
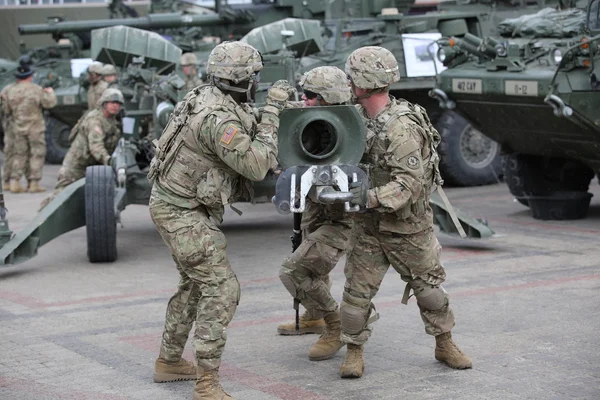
[(230, 132)]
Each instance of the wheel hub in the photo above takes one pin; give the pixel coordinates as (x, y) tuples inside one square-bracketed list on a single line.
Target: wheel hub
[(477, 150)]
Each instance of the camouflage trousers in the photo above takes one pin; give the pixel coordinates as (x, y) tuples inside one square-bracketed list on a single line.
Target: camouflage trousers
[(9, 154), (29, 152), (416, 257), (305, 274), (208, 291)]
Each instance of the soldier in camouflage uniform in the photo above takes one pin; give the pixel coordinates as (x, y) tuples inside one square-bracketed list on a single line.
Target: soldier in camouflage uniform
[(189, 65), (397, 228), (8, 140), (93, 140), (110, 75), (97, 84), (210, 148), (326, 234), (22, 104)]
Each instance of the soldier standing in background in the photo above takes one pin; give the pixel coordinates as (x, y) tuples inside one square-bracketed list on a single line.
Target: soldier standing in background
[(397, 228), (189, 65), (97, 84), (326, 231), (93, 139), (110, 75), (9, 140), (22, 104), (210, 146)]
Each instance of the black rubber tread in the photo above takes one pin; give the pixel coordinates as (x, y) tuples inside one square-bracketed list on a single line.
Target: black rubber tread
[(101, 223), (453, 167), (55, 151)]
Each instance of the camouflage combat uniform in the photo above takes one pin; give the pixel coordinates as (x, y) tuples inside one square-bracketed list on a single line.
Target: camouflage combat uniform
[(191, 80), (8, 140), (95, 92), (24, 103), (397, 229), (326, 228), (209, 149)]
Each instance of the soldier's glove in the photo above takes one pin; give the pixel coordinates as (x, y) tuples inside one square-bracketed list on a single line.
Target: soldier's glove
[(359, 194), (285, 85), (276, 100), (106, 160)]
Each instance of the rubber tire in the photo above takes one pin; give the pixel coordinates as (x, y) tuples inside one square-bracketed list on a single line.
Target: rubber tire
[(453, 167), (101, 222), (535, 175), (55, 148)]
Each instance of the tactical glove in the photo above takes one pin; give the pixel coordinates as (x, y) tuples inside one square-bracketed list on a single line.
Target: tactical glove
[(105, 160), (276, 100), (359, 194), (285, 85)]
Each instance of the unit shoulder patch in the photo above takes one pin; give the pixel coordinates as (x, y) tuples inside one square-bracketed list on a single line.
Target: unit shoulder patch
[(412, 162)]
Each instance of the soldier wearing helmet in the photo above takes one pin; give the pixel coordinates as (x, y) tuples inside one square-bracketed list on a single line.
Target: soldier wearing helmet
[(212, 145), (110, 75), (397, 227), (97, 84), (189, 65), (326, 231), (93, 139), (22, 105)]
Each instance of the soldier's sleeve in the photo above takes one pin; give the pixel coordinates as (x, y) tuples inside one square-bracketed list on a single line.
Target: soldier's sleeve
[(48, 99), (96, 137), (404, 159), (251, 158)]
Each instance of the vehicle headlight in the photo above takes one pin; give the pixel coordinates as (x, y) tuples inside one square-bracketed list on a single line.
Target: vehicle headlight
[(441, 54), (500, 50), (556, 55)]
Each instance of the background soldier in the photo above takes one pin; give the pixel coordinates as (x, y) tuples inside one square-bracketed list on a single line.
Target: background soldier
[(93, 140), (189, 65), (110, 75), (8, 140), (22, 105), (326, 234), (97, 84), (211, 143), (397, 228)]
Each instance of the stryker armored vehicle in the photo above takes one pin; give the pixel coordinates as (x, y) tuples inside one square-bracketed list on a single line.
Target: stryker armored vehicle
[(539, 98), (98, 200)]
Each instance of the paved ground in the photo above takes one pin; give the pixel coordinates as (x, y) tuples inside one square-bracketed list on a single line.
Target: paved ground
[(526, 302)]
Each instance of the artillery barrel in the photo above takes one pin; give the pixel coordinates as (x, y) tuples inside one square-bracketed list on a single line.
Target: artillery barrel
[(152, 21)]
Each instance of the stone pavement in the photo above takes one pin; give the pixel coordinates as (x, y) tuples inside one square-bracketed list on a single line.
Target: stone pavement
[(526, 303)]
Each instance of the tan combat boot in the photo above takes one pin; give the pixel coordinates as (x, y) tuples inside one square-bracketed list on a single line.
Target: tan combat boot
[(181, 370), (354, 363), (306, 326), (6, 186), (15, 186), (34, 187), (448, 352), (329, 343), (208, 386)]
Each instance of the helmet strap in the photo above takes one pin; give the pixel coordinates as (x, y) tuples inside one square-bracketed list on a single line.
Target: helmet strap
[(225, 86)]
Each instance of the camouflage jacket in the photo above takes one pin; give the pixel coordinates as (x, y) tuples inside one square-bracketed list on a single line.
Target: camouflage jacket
[(191, 82), (23, 106), (208, 147), (95, 141), (4, 117), (401, 161), (94, 92)]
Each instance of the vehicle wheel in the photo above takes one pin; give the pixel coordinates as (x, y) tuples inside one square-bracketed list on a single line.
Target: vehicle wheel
[(57, 140), (467, 157), (100, 219), (527, 175)]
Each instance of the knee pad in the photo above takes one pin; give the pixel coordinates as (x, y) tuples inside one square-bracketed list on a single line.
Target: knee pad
[(288, 282), (429, 297), (354, 319)]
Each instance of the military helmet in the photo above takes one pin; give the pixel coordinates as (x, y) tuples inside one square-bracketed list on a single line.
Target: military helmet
[(96, 67), (372, 67), (188, 59), (331, 83), (108, 69), (235, 61), (111, 94)]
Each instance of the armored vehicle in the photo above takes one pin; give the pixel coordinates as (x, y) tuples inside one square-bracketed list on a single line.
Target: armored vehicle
[(98, 200), (538, 97)]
